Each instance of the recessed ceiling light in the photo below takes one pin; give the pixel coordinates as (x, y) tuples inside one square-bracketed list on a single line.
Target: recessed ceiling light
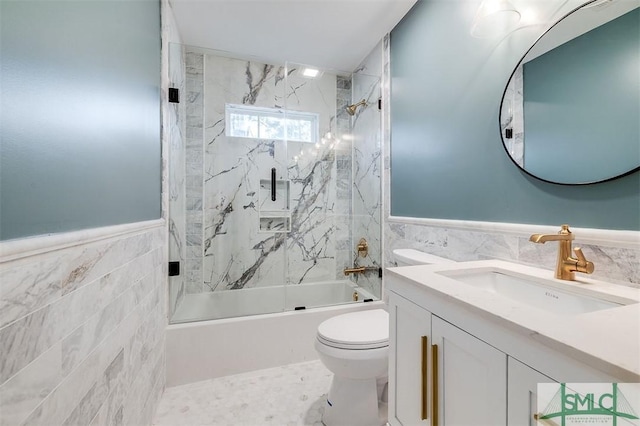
[(310, 72)]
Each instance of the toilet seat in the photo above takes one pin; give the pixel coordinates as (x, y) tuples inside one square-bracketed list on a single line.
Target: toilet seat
[(356, 330)]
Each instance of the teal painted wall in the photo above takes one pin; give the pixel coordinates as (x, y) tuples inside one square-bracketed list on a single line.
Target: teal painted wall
[(586, 91), (447, 158), (80, 123)]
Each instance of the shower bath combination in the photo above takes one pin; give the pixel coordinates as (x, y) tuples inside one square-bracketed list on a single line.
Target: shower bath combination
[(282, 224), (254, 277)]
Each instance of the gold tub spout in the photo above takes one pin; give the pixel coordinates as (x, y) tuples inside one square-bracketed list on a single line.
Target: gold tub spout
[(359, 270), (566, 265)]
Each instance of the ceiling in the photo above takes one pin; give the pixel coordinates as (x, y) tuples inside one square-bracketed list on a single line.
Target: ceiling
[(329, 34)]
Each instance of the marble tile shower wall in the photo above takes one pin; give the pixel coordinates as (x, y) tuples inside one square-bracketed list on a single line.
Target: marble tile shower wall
[(344, 179), (367, 153), (620, 264), (82, 333), (194, 172), (225, 249)]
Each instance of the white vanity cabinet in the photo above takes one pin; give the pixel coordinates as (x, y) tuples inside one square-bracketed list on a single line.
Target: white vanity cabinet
[(441, 375), (522, 394), (471, 382), (409, 379), (435, 363), (461, 355)]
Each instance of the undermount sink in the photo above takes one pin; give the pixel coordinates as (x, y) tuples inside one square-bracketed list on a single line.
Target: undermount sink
[(543, 294)]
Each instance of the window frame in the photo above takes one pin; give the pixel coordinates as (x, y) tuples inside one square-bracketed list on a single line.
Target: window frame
[(284, 114)]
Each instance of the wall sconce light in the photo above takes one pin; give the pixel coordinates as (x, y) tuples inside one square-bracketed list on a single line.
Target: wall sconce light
[(494, 18)]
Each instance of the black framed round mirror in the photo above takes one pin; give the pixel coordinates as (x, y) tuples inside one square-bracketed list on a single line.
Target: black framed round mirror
[(570, 113)]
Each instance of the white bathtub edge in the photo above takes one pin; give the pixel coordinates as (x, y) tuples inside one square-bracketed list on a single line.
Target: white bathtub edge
[(209, 349)]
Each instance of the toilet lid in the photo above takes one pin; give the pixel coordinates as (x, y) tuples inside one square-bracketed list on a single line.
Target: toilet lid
[(356, 330)]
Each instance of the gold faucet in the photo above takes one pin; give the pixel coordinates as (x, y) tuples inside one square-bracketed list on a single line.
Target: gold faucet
[(566, 266)]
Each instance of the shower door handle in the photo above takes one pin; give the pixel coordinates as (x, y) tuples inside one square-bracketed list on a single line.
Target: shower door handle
[(273, 184)]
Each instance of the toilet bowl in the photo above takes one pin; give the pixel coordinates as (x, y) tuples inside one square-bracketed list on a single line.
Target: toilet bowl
[(355, 348)]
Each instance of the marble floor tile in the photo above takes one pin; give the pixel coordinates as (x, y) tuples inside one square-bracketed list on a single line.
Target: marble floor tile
[(290, 395)]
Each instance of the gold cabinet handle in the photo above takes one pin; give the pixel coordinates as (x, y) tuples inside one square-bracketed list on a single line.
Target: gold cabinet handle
[(434, 385), (425, 386)]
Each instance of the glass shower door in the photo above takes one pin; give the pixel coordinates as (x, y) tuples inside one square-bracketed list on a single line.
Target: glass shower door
[(273, 182), (245, 195), (235, 185), (322, 171), (320, 220)]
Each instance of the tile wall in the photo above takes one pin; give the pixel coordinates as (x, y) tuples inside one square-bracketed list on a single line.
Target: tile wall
[(82, 332), (344, 178), (194, 171), (225, 249), (367, 173), (175, 171), (619, 263)]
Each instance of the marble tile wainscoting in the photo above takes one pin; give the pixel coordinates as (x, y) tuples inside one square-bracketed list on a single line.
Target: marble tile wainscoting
[(82, 326), (616, 254)]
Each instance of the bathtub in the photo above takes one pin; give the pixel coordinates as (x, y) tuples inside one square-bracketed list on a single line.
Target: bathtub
[(266, 300), (214, 348)]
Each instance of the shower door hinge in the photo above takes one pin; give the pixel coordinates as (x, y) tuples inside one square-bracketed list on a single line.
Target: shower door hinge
[(174, 95), (174, 269), (380, 104)]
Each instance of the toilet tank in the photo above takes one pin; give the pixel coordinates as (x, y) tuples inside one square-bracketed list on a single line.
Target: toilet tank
[(409, 257)]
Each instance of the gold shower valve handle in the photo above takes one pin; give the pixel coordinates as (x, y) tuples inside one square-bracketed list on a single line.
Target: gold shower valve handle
[(363, 248)]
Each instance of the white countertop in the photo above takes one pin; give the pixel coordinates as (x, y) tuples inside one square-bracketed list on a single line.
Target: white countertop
[(608, 339)]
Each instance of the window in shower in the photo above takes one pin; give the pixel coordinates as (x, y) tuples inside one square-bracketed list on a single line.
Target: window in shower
[(270, 123)]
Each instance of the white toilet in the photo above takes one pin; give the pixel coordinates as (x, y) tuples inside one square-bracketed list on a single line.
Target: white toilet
[(355, 348)]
